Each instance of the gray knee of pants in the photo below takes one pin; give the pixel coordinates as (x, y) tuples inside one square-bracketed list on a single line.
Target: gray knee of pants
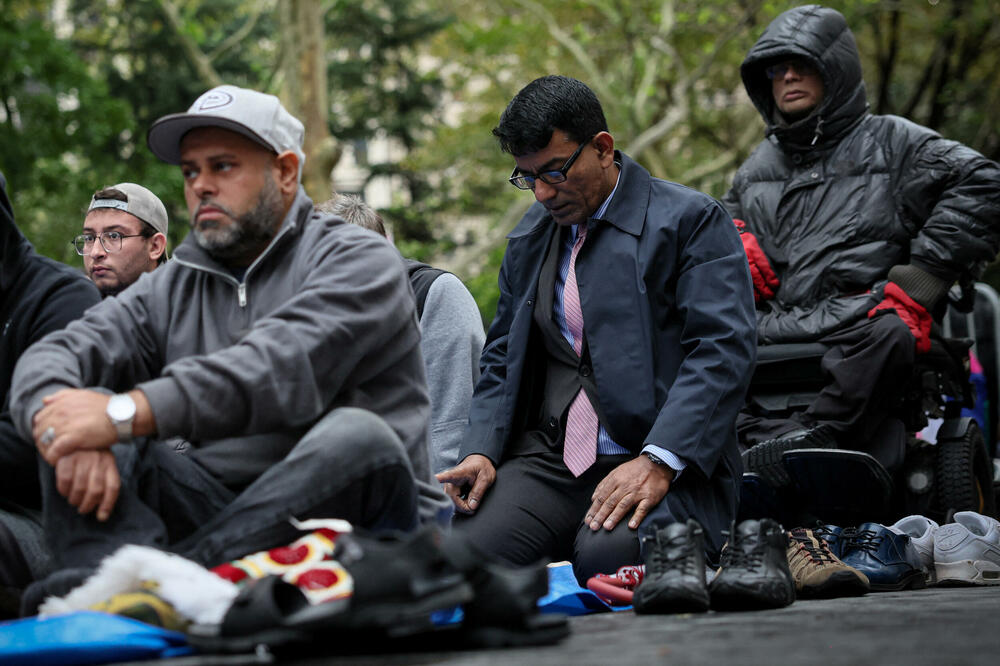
[(352, 437)]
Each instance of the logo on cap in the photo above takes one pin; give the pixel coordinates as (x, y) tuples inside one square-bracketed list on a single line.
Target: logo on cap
[(214, 99)]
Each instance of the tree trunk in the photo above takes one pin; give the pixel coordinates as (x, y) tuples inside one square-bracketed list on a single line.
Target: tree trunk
[(304, 89)]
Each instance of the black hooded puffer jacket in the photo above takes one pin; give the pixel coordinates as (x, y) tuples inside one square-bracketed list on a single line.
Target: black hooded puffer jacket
[(843, 200)]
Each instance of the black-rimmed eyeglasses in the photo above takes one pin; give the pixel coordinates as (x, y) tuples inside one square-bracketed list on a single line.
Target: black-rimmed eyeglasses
[(526, 181), (111, 241)]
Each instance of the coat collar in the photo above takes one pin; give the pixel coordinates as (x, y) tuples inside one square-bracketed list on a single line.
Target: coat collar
[(627, 210)]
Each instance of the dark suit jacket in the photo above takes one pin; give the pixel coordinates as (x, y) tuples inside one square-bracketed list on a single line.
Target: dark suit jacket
[(669, 318)]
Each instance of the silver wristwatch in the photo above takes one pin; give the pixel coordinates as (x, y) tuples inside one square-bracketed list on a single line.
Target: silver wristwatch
[(121, 411)]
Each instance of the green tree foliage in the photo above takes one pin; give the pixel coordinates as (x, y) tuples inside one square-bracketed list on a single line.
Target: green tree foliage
[(78, 91), (379, 86), (59, 125)]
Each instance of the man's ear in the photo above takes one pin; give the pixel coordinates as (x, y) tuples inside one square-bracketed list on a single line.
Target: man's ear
[(157, 246), (605, 145), (287, 166)]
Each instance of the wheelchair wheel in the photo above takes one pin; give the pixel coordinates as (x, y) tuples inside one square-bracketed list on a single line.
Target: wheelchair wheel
[(964, 475)]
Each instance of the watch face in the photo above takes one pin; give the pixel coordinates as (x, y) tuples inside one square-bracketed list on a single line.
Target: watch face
[(121, 408)]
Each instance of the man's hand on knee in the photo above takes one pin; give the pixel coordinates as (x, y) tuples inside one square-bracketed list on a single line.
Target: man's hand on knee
[(89, 480), (468, 481), (639, 483)]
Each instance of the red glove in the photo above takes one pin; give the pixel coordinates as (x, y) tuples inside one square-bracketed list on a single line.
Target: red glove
[(913, 314), (765, 282)]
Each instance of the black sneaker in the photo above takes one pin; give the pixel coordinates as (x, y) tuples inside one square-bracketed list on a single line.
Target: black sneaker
[(674, 581), (765, 458), (754, 572)]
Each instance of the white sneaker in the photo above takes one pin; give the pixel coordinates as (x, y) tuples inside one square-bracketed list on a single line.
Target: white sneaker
[(968, 550), (921, 532)]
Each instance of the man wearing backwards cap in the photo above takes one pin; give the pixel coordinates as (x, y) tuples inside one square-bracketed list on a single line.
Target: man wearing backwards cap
[(124, 235), (258, 342)]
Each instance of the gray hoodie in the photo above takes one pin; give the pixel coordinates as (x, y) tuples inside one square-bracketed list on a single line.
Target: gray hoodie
[(323, 318)]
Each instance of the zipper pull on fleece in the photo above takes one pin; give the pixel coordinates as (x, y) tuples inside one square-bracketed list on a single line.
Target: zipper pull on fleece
[(241, 290)]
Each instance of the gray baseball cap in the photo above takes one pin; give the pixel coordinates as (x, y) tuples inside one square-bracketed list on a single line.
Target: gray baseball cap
[(255, 115), (141, 202)]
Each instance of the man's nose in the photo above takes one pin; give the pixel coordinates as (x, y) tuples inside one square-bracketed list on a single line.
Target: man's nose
[(97, 249), (203, 185), (791, 73), (543, 191)]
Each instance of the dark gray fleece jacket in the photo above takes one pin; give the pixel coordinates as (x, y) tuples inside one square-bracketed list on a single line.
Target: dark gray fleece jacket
[(323, 318)]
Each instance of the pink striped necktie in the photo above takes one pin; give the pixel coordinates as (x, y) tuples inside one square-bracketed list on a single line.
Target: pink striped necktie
[(580, 442)]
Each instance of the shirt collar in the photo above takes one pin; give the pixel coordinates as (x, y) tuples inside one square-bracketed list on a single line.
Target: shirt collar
[(607, 202)]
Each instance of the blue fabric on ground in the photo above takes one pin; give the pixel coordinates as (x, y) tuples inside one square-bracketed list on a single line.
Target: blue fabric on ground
[(566, 596), (86, 637)]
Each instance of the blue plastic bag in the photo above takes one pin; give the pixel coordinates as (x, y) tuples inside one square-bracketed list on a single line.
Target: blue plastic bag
[(86, 637), (566, 596)]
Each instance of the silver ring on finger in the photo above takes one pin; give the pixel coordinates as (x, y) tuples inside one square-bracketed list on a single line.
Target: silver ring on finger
[(48, 436)]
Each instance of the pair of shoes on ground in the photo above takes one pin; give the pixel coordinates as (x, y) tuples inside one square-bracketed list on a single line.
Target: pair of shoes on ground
[(965, 552), (754, 571), (399, 586), (887, 556)]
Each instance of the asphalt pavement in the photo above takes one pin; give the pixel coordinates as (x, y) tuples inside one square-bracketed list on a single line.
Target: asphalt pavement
[(936, 626)]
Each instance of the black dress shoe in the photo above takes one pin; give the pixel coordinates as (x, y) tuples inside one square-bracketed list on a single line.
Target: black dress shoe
[(675, 571), (754, 572), (765, 458)]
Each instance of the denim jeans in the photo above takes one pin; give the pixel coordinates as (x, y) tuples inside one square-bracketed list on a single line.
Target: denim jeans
[(350, 465)]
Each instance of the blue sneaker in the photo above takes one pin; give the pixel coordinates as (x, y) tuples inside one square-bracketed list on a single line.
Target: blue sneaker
[(889, 560)]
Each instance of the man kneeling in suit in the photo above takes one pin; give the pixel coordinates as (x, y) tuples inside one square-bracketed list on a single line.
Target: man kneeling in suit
[(619, 357)]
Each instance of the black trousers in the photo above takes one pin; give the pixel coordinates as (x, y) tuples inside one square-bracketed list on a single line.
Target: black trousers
[(535, 510), (866, 366), (18, 467)]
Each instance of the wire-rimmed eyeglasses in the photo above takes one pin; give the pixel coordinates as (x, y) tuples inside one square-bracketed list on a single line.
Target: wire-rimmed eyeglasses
[(111, 241)]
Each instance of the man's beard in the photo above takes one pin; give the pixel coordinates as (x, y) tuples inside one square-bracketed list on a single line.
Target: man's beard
[(248, 234)]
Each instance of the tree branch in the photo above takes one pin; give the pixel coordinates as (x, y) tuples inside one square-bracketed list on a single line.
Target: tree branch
[(724, 159), (681, 106), (238, 36), (887, 59), (574, 48), (201, 63)]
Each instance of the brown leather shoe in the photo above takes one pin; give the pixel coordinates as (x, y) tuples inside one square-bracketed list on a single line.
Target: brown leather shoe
[(817, 571)]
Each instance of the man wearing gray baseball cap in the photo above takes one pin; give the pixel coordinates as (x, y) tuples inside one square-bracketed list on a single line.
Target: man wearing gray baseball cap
[(124, 235), (280, 342)]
